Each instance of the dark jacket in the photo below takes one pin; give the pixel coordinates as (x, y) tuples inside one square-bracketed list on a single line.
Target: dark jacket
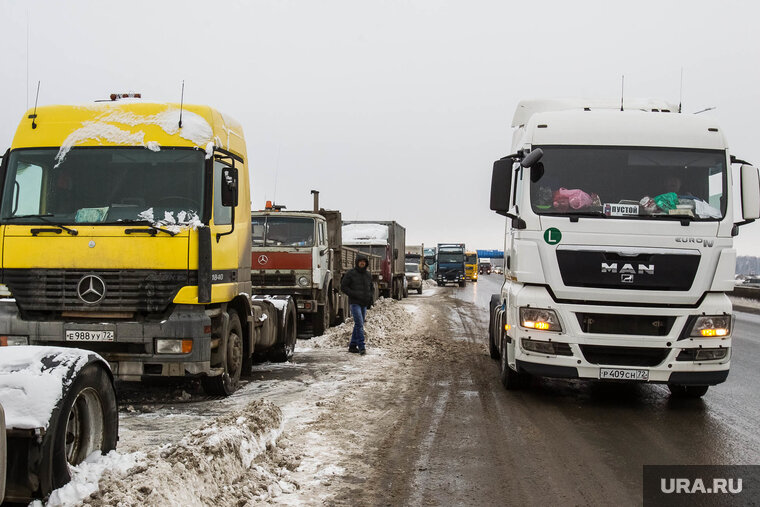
[(357, 284)]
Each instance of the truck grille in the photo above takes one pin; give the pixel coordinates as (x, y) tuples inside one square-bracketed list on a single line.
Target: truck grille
[(56, 290), (646, 325), (273, 279), (624, 356)]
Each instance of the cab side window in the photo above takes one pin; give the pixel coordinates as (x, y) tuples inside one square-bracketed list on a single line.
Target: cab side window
[(222, 214)]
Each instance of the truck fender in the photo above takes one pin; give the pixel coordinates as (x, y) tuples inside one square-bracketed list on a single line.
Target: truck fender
[(242, 305)]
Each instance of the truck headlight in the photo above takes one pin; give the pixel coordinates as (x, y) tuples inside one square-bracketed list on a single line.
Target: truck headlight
[(711, 326), (415, 278), (5, 292), (542, 319), (173, 346), (11, 340), (303, 281)]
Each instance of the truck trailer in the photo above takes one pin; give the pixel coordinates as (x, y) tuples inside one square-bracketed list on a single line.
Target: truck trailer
[(618, 245), (147, 208), (386, 240)]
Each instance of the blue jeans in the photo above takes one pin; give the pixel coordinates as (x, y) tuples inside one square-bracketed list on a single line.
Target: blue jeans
[(358, 312)]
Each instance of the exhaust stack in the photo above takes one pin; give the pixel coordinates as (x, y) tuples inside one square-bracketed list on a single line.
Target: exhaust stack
[(315, 193)]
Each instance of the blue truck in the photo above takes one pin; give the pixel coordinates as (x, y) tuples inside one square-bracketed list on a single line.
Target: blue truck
[(450, 264)]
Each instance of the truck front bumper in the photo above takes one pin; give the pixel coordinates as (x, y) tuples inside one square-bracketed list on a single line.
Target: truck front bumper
[(665, 358), (132, 352)]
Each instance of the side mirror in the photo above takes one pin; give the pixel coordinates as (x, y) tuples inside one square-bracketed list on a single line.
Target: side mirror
[(229, 186), (501, 184), (532, 157), (750, 186)]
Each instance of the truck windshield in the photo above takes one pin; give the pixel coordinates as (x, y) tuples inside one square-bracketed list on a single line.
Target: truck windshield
[(471, 259), (282, 231), (412, 268), (449, 257), (630, 182), (97, 185)]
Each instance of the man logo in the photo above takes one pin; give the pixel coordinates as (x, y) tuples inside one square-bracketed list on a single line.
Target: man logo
[(629, 269), (263, 259), (91, 289), (626, 278)]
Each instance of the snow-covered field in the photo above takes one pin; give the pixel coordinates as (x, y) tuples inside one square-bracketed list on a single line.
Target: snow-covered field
[(292, 435)]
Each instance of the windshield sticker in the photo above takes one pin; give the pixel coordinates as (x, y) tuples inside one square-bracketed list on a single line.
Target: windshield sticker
[(552, 236), (621, 210)]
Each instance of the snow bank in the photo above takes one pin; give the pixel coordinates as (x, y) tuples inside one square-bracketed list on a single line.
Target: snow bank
[(32, 380), (388, 324), (214, 465), (85, 477), (365, 234)]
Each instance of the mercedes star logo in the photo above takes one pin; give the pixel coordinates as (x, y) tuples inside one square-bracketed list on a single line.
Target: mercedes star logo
[(91, 289), (263, 259)]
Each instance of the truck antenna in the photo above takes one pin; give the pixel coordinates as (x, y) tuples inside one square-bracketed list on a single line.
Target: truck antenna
[(622, 91), (33, 116), (680, 93), (181, 102)]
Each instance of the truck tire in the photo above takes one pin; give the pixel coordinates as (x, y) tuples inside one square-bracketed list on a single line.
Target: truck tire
[(492, 348), (283, 351), (681, 391), (510, 379), (226, 383), (85, 421), (320, 320), (398, 290), (462, 283), (406, 292), (419, 289)]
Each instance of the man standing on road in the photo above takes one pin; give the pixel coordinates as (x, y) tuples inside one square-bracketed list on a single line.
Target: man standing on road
[(358, 286)]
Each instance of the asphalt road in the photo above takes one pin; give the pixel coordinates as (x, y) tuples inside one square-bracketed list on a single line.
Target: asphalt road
[(464, 439)]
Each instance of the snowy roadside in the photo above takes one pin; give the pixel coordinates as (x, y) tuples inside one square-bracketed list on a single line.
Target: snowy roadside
[(296, 434)]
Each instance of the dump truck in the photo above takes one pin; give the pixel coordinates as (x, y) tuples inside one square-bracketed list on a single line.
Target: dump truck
[(147, 208), (386, 240), (301, 254), (619, 244)]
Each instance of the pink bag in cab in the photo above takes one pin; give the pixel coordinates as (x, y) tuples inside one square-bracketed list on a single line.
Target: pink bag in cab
[(565, 199)]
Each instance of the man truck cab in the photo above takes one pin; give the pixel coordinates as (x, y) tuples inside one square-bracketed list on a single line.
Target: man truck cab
[(609, 274)]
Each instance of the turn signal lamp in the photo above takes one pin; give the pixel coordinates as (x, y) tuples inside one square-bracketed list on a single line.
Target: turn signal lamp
[(541, 319), (711, 326)]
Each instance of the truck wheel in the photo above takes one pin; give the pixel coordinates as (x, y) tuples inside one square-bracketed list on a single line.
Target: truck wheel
[(398, 291), (681, 391), (406, 292), (419, 289), (284, 351), (226, 383), (86, 421), (320, 320), (462, 283), (510, 379), (492, 348)]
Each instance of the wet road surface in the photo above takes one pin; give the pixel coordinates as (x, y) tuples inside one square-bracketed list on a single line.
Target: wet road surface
[(466, 440)]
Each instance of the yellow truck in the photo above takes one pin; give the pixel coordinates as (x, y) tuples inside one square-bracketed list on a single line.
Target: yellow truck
[(126, 230), (471, 266)]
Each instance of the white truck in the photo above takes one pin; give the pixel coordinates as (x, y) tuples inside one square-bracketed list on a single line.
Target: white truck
[(57, 406), (618, 245)]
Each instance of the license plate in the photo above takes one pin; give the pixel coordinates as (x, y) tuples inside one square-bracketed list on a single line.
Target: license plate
[(623, 374), (89, 336)]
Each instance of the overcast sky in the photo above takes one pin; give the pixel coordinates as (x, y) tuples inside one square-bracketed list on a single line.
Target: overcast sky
[(394, 110)]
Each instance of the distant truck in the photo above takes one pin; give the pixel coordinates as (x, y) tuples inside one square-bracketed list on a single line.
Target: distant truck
[(471, 266), (415, 254), (126, 230), (301, 254), (450, 264), (386, 240), (430, 262), (57, 406), (484, 266)]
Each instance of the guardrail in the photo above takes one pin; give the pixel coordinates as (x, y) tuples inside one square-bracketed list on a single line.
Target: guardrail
[(746, 292)]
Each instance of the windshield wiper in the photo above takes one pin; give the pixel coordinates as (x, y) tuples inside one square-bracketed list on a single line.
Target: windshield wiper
[(684, 219), (150, 228), (585, 214), (42, 217)]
